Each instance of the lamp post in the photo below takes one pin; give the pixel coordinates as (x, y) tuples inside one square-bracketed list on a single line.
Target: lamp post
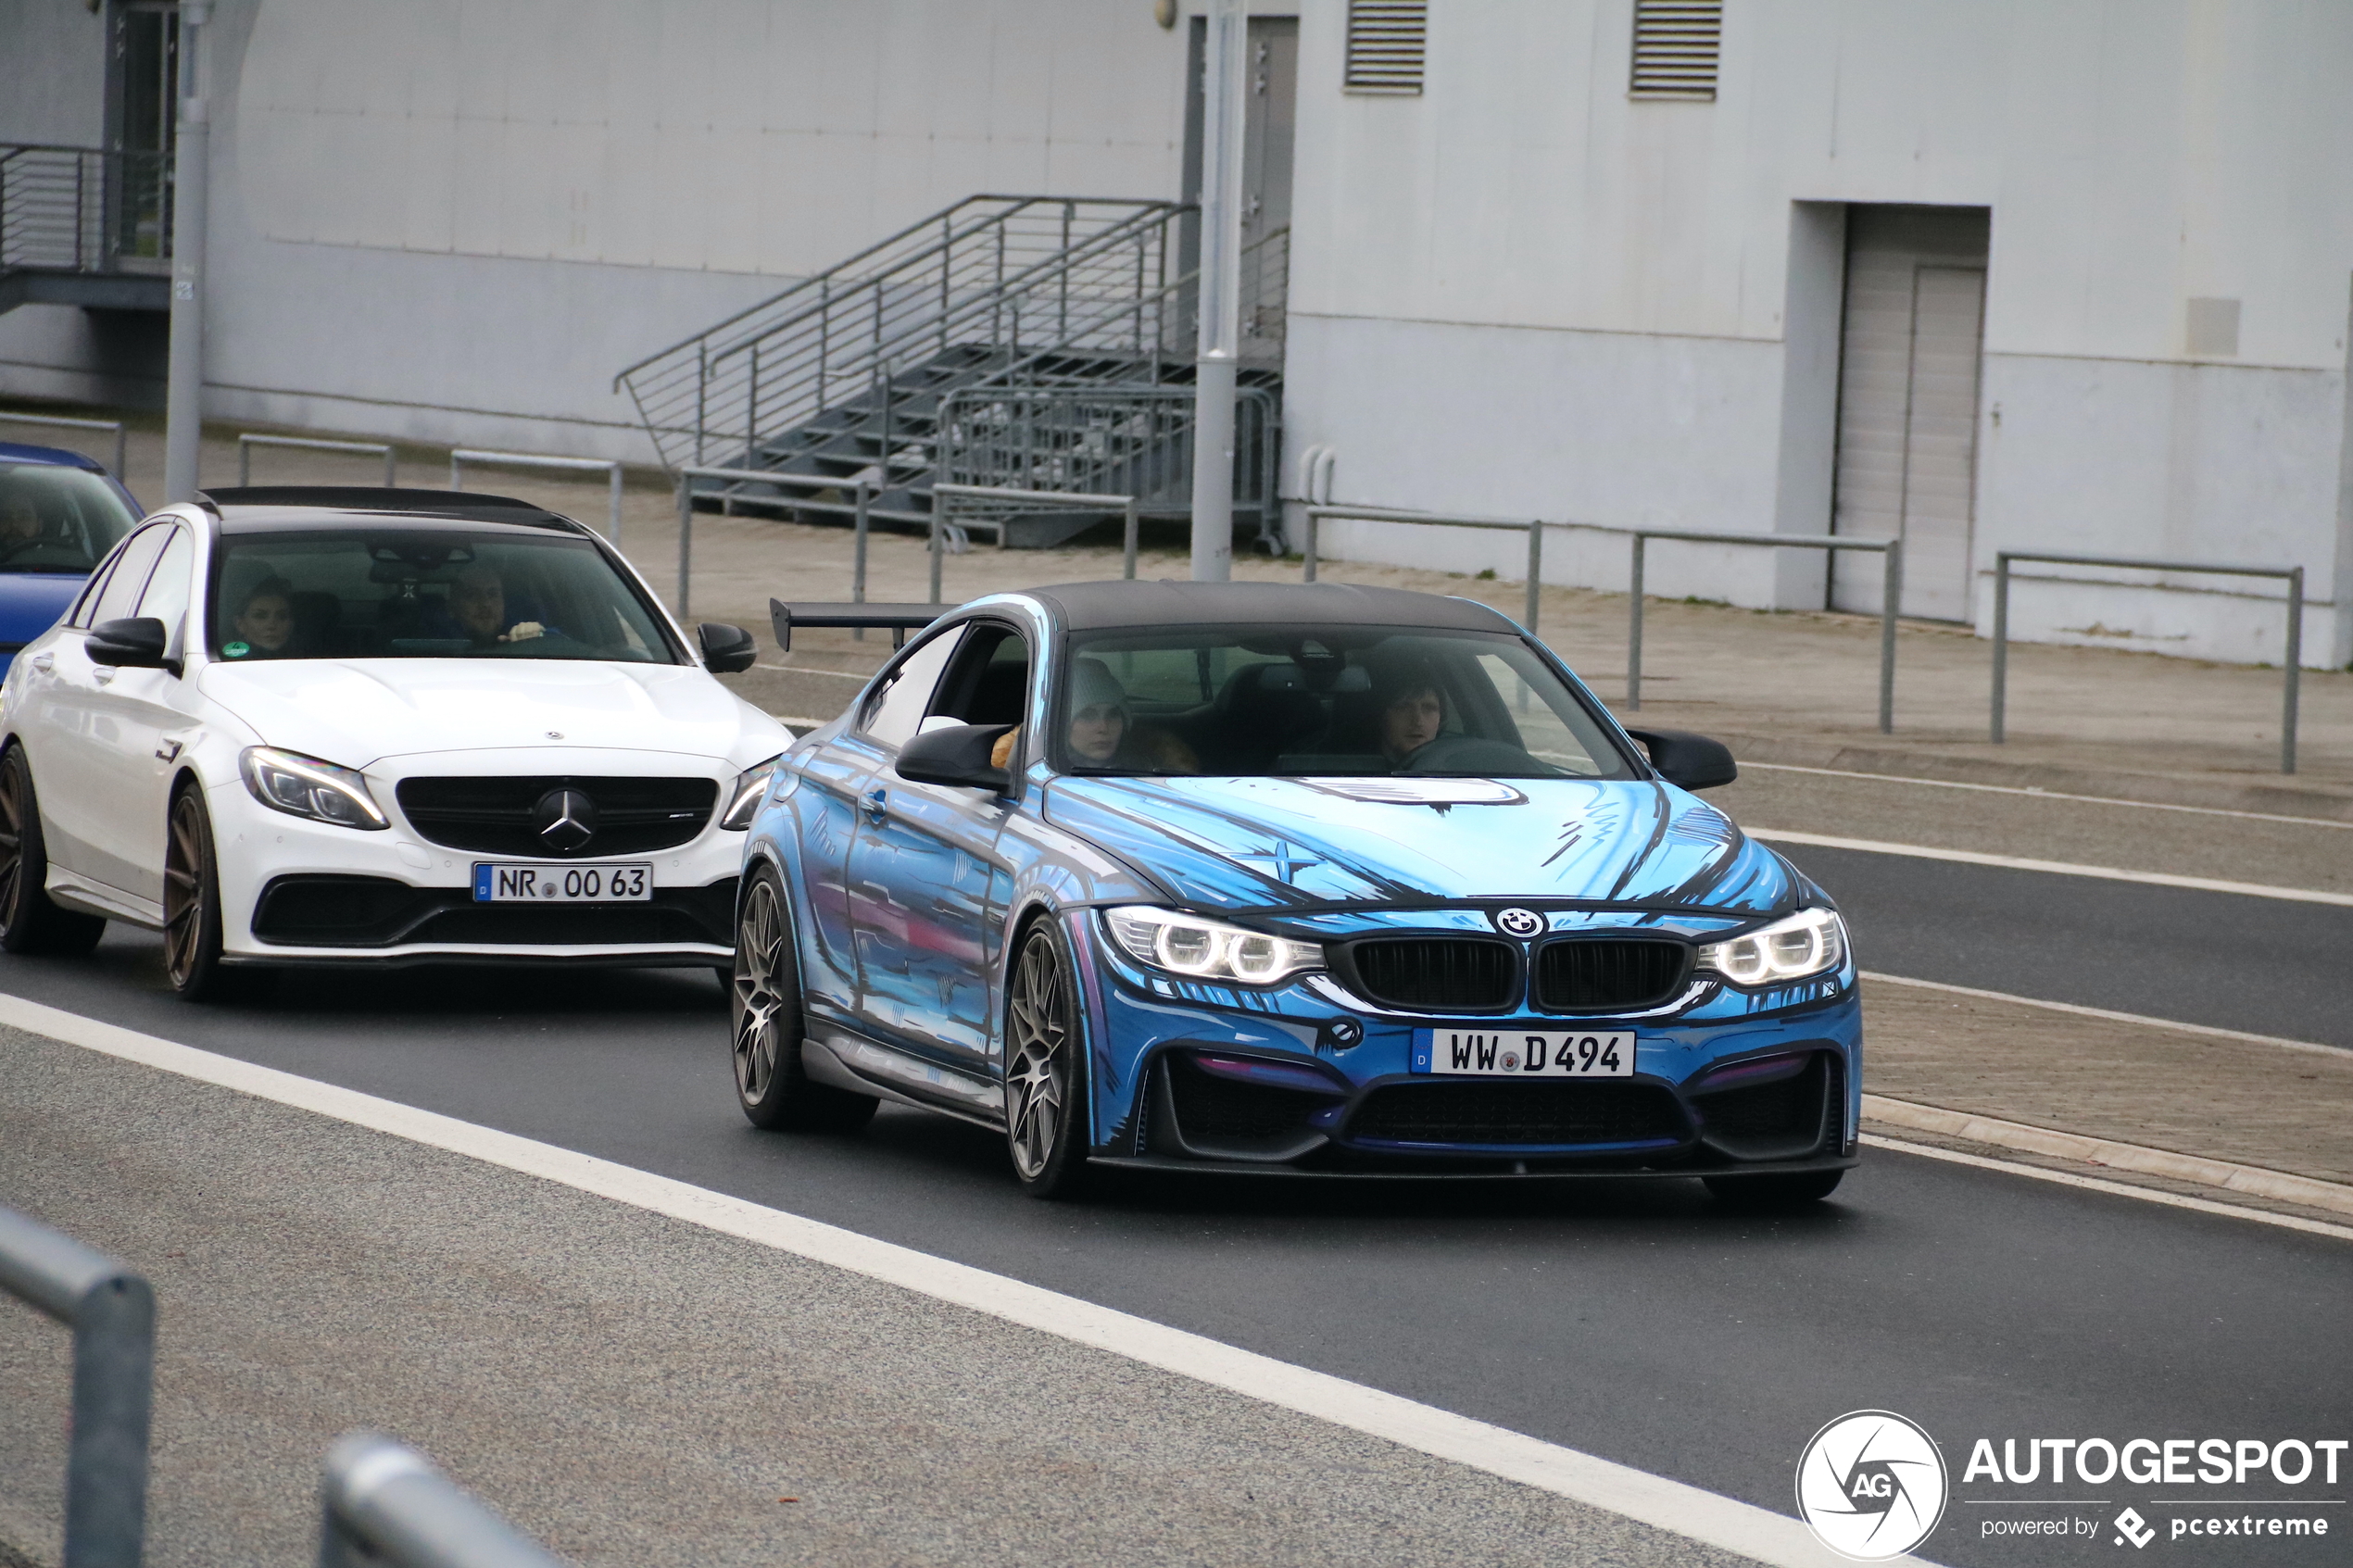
[(1223, 95), (183, 397)]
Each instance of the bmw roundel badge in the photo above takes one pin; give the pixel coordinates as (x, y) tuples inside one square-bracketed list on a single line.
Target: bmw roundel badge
[(1519, 923)]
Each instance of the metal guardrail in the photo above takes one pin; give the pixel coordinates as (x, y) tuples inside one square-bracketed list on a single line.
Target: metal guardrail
[(246, 442), (460, 456), (2291, 663), (1006, 498), (383, 1502), (687, 493), (121, 437), (112, 1313), (1891, 549)]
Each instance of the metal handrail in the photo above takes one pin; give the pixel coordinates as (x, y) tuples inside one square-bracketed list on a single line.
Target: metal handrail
[(121, 437), (112, 1312), (940, 522), (1639, 538), (248, 440), (2291, 663), (460, 457), (383, 1502)]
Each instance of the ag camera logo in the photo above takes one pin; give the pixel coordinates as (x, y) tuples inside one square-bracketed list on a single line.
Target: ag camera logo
[(1871, 1486)]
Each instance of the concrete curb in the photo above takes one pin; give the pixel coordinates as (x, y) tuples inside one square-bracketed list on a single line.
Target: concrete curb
[(2253, 1180), (2327, 802)]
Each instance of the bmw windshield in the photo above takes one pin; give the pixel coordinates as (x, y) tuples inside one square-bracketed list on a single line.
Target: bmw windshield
[(1325, 701), (55, 519), (428, 593)]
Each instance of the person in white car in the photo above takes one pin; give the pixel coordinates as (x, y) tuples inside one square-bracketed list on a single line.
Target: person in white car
[(291, 727)]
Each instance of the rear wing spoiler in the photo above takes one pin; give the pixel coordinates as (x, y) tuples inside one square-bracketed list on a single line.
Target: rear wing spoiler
[(898, 619)]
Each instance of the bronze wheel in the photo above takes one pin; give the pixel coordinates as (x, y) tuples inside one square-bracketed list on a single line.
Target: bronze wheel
[(191, 900), (30, 923)]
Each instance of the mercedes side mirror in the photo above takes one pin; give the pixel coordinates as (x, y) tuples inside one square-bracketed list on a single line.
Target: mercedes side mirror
[(1688, 761), (726, 650), (132, 642), (956, 756)]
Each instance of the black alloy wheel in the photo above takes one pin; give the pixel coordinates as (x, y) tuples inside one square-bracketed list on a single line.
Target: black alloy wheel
[(1764, 1194), (763, 997), (29, 921), (1045, 1069)]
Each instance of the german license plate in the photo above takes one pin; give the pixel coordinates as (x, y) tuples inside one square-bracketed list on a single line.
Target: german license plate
[(525, 883), (1523, 1053)]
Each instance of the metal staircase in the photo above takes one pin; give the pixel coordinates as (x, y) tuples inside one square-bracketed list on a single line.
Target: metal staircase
[(1031, 342)]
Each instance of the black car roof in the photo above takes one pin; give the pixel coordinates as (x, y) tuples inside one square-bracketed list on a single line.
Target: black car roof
[(268, 509), (1087, 607)]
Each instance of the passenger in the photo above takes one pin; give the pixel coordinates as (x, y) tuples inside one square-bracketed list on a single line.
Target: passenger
[(478, 610), (264, 622), (1103, 733)]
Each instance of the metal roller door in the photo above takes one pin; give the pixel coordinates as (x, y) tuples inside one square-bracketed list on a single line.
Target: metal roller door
[(1909, 375)]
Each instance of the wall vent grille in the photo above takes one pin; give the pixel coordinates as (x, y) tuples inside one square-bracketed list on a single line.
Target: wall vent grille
[(1387, 40), (1676, 45)]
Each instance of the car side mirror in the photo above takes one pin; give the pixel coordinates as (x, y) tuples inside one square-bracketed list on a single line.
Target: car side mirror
[(957, 757), (726, 650), (132, 642), (1688, 761)]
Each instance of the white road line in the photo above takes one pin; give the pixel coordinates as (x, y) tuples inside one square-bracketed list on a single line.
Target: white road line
[(1687, 1510), (2119, 1189), (2135, 1018), (2050, 794), (2058, 868), (805, 669)]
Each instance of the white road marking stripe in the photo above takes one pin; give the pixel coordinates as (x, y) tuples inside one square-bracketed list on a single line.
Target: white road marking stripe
[(805, 669), (2119, 1189), (2081, 1011), (2282, 1185), (2050, 794), (1687, 1510), (2059, 868)]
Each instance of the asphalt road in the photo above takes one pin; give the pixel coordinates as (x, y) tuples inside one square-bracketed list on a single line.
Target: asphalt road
[(1630, 1320)]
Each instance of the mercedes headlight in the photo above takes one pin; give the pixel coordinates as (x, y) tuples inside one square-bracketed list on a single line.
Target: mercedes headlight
[(1208, 950), (745, 803), (303, 786), (1809, 942)]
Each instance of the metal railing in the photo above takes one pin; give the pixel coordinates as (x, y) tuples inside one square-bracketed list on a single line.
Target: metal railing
[(2290, 662), (1638, 540), (84, 209), (686, 491), (1000, 271), (383, 1502), (121, 436), (1003, 502), (246, 442), (112, 1313), (460, 456)]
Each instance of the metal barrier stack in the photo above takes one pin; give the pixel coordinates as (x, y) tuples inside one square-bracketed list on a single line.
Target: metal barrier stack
[(1001, 501), (112, 1312), (121, 437)]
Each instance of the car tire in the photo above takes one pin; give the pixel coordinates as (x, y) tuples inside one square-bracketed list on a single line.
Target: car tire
[(192, 909), (1766, 1194), (29, 921), (1045, 1068), (763, 1004)]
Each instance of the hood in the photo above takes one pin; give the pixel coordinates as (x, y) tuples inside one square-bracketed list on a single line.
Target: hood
[(1263, 843), (358, 711), (31, 601)]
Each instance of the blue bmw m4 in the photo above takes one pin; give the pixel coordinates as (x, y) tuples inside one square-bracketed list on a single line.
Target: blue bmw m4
[(1313, 880)]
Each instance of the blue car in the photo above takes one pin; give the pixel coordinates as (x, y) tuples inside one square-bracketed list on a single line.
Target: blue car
[(1303, 880), (60, 513)]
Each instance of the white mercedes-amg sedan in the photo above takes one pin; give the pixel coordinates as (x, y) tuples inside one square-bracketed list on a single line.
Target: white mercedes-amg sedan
[(337, 726)]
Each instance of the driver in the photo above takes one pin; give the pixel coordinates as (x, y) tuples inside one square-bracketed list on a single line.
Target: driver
[(19, 520), (478, 606), (1412, 711)]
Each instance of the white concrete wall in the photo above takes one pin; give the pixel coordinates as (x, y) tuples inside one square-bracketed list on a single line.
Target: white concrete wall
[(1523, 292), (450, 221)]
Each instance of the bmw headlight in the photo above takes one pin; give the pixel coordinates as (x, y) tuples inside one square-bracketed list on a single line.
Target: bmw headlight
[(1208, 950), (303, 786), (1809, 942), (744, 804)]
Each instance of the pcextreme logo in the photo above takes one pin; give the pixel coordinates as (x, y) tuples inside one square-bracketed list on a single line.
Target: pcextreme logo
[(1871, 1486)]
